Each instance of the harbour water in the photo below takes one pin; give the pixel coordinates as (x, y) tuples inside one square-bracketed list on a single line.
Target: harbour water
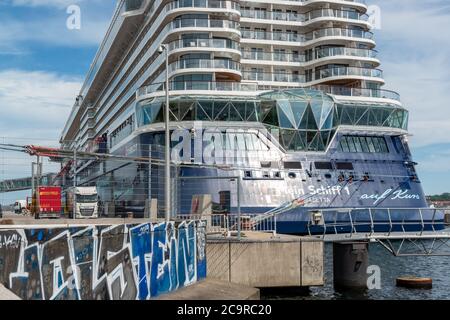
[(391, 267)]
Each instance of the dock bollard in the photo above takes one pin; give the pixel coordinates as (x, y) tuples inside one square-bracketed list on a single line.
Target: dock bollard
[(350, 262)]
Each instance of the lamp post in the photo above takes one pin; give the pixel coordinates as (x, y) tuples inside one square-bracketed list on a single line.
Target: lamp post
[(167, 188)]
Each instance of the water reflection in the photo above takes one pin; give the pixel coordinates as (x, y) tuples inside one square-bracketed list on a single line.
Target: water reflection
[(391, 268)]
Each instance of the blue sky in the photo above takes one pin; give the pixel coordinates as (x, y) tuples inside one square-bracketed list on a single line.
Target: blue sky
[(43, 64)]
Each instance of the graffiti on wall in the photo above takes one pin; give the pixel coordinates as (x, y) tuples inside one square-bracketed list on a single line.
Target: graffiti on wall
[(119, 262)]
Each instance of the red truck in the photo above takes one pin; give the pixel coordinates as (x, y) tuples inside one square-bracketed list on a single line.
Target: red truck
[(48, 204)]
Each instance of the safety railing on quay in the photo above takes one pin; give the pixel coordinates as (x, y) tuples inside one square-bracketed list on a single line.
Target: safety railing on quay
[(229, 225)]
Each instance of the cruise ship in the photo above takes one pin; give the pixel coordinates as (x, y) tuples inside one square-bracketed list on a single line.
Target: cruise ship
[(284, 96)]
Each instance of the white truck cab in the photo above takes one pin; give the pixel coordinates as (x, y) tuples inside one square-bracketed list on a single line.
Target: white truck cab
[(20, 206), (86, 202)]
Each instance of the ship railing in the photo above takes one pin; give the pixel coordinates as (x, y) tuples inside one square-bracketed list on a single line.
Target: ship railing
[(198, 85), (359, 92), (313, 35), (376, 223), (254, 86), (356, 1)]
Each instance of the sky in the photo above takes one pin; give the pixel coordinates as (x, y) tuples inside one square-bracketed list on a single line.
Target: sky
[(43, 65)]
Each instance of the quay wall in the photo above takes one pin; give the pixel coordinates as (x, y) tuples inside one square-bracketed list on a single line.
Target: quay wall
[(106, 262), (281, 262)]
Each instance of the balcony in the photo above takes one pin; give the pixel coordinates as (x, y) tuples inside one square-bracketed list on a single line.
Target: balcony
[(204, 43), (333, 13), (198, 85), (302, 58), (269, 15), (274, 36), (338, 32), (205, 64), (316, 76), (341, 51), (347, 71), (273, 56), (213, 4), (203, 23), (306, 2), (316, 34), (273, 77), (132, 5), (304, 17)]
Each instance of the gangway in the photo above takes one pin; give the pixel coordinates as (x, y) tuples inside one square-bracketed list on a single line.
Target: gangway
[(21, 184)]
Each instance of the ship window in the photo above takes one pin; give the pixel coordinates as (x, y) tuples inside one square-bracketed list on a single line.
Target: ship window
[(344, 145), (277, 175), (292, 165), (371, 145), (292, 175), (344, 166), (383, 145), (376, 144), (351, 144), (363, 144), (323, 165), (248, 174), (357, 144)]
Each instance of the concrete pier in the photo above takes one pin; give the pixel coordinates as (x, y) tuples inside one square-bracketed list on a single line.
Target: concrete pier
[(211, 289), (263, 261), (6, 294), (350, 262)]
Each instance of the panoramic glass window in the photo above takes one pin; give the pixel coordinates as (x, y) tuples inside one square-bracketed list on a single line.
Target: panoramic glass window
[(358, 144), (306, 119)]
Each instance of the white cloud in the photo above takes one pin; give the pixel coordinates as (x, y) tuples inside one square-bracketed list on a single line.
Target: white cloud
[(35, 104), (415, 51), (33, 109)]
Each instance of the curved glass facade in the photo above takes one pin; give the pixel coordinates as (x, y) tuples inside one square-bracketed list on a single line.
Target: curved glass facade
[(307, 119)]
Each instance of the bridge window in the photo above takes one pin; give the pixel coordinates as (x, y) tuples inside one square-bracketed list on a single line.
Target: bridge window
[(344, 166), (292, 165), (323, 165), (357, 144)]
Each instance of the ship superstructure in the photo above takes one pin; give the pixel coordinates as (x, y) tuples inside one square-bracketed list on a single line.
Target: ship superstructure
[(293, 87)]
